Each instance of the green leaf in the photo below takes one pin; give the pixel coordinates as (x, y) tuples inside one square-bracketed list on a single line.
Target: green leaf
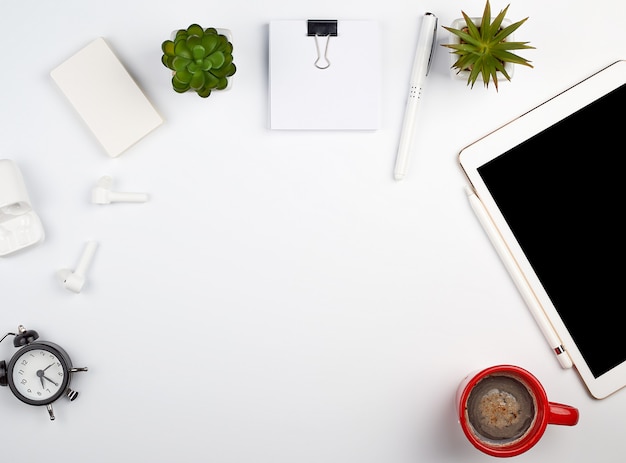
[(472, 28), (193, 41), (508, 30), (168, 48), (210, 43), (224, 45), (216, 59), (473, 76), (464, 37), (225, 71), (467, 61), (458, 47), (183, 76), (167, 61), (180, 49), (512, 46), (497, 22), (180, 64), (195, 30), (181, 34), (511, 58), (204, 92), (197, 80), (211, 80), (178, 84), (222, 84), (484, 22), (198, 52)]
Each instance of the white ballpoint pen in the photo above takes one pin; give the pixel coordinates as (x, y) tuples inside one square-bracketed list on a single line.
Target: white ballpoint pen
[(426, 42), (518, 278)]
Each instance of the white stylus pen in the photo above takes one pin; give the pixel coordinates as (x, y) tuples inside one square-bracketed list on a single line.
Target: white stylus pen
[(519, 280), (426, 42)]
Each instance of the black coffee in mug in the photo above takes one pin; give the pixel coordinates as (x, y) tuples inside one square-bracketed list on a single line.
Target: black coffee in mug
[(500, 409), (503, 410)]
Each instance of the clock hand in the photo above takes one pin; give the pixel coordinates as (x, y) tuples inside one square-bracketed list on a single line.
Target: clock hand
[(49, 366), (45, 377), (40, 373)]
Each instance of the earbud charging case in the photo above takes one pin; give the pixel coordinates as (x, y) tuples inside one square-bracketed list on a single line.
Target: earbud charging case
[(20, 226)]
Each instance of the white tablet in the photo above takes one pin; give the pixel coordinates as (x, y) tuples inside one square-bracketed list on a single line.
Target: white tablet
[(552, 184)]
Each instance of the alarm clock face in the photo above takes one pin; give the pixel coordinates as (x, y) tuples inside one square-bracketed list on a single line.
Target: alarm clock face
[(38, 373)]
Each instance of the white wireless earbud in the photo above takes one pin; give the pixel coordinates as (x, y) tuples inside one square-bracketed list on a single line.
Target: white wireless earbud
[(74, 281), (102, 194)]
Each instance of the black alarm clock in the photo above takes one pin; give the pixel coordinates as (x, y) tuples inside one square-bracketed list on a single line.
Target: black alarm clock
[(40, 372)]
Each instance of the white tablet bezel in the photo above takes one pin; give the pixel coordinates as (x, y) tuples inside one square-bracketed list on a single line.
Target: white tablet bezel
[(503, 139)]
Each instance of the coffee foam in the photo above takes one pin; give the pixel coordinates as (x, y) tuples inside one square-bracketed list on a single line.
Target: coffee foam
[(500, 410)]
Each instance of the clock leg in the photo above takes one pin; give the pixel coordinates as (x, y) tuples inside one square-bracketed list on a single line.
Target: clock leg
[(71, 394), (50, 411), (3, 372)]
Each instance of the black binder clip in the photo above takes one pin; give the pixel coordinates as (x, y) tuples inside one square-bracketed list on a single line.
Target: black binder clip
[(325, 28)]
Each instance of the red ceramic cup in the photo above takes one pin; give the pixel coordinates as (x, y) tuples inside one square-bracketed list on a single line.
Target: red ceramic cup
[(504, 410)]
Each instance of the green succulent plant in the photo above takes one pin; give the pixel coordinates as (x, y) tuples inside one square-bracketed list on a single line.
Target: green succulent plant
[(483, 50), (202, 60)]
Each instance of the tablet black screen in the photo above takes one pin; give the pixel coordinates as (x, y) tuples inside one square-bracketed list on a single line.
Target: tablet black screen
[(562, 194)]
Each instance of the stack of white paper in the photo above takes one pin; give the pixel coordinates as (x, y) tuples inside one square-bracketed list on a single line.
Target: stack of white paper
[(344, 96)]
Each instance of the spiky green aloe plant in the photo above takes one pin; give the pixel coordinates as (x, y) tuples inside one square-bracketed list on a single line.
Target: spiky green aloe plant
[(202, 60), (483, 50)]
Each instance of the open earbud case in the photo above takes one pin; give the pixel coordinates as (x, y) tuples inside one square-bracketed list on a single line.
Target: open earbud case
[(20, 226)]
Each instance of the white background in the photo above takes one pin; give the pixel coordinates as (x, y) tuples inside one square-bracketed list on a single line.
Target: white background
[(280, 298)]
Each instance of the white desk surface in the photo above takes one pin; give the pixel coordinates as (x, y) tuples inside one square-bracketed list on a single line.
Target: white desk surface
[(280, 298)]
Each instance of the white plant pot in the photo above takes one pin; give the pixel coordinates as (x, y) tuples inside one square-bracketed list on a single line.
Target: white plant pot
[(460, 23)]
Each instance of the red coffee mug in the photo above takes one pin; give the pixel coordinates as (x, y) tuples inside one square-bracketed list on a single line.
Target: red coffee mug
[(504, 410)]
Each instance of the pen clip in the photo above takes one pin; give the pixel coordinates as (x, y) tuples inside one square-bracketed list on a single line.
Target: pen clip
[(434, 43)]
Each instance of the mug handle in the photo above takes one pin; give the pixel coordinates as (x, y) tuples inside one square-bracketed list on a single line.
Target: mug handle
[(562, 414)]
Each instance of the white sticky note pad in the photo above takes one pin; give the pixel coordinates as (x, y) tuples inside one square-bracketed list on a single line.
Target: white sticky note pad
[(344, 96), (106, 97)]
